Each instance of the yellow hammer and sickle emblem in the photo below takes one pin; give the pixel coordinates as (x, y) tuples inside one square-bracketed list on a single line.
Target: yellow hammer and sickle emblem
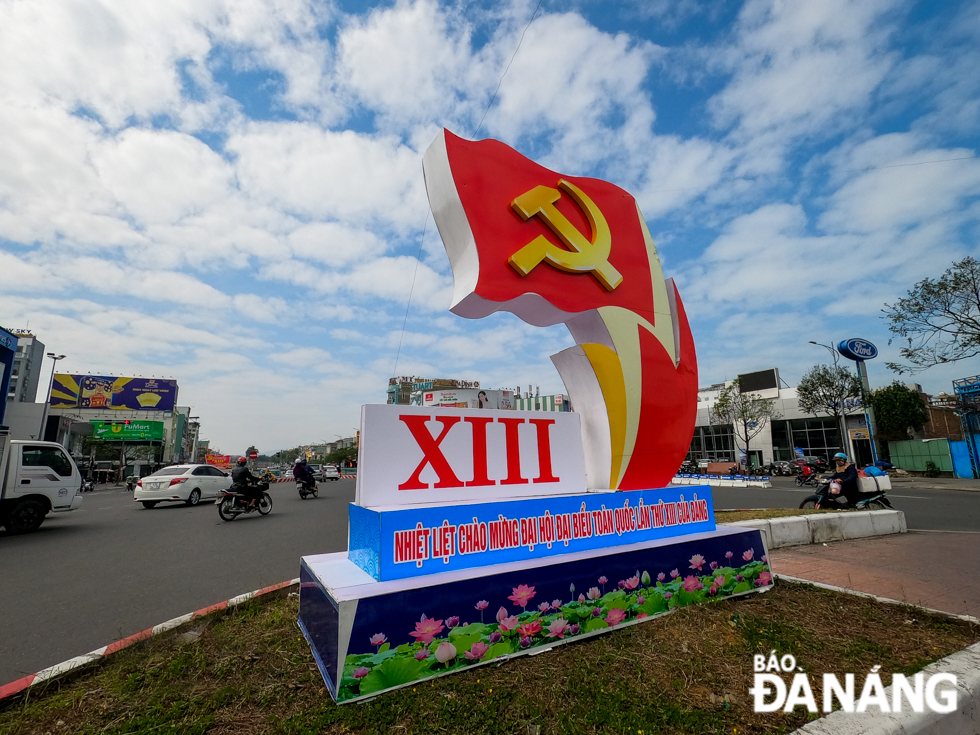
[(583, 255)]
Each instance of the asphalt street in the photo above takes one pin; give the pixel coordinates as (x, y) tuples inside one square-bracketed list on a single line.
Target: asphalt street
[(925, 509), (113, 568)]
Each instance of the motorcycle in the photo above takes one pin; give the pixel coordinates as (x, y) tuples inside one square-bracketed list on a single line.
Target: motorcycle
[(825, 499), (307, 487), (131, 483), (232, 503), (88, 486), (810, 479)]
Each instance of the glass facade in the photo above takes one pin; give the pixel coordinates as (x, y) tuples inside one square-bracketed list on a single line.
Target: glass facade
[(713, 443), (819, 437)]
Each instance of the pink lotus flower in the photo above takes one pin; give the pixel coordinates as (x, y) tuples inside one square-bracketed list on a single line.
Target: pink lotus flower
[(632, 583), (452, 622), (594, 593), (640, 616), (477, 651), (602, 580), (558, 628), (764, 579), (697, 561), (574, 629), (661, 577), (729, 555), (713, 565), (674, 574), (765, 558), (692, 583), (712, 590), (531, 628), (556, 604), (596, 612), (445, 652), (495, 637), (668, 595), (522, 595), (747, 556), (422, 654), (361, 671), (508, 623), (544, 607), (581, 598), (426, 630), (501, 614), (615, 616), (640, 600), (526, 641), (377, 639), (482, 605)]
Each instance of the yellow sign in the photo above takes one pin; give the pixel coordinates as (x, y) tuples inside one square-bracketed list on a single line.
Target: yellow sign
[(859, 434), (584, 256)]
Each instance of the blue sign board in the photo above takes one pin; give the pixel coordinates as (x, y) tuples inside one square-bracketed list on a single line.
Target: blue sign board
[(8, 348), (415, 541), (857, 349)]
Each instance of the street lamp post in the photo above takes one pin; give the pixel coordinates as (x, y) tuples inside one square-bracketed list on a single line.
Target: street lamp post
[(47, 400)]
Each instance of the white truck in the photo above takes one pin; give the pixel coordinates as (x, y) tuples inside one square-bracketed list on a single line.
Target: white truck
[(36, 478)]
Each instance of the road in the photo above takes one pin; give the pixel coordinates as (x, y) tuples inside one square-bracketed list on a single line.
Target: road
[(113, 568), (925, 509)]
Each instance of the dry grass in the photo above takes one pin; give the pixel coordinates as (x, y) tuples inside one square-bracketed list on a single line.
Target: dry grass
[(248, 671), (734, 516)]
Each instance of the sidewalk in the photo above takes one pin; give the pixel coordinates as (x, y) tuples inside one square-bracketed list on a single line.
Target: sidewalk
[(934, 483), (937, 570)]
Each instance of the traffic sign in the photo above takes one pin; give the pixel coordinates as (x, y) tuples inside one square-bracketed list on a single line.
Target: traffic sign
[(253, 455)]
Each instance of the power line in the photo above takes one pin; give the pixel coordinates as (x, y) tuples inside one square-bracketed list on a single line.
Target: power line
[(493, 98)]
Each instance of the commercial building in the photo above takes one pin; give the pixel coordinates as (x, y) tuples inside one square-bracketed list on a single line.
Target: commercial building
[(26, 370), (790, 434), (400, 389), (556, 402)]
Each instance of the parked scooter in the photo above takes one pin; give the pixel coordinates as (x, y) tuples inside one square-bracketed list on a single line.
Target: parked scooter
[(232, 503), (88, 486), (307, 487), (824, 498)]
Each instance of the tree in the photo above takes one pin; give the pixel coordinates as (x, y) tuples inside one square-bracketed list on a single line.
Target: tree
[(346, 454), (898, 409), (823, 389), (747, 413), (939, 319)]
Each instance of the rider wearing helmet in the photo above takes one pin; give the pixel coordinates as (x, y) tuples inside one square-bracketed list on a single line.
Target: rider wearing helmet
[(243, 480), (302, 472), (847, 476)]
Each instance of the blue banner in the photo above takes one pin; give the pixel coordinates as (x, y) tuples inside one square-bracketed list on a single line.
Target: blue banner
[(414, 541)]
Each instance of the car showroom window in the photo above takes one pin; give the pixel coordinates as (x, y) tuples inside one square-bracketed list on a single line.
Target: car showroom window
[(47, 457)]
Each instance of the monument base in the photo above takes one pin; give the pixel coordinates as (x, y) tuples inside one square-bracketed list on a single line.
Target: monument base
[(369, 637)]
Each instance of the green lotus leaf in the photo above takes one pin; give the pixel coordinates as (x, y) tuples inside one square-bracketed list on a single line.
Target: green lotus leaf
[(471, 629), (393, 672), (595, 624)]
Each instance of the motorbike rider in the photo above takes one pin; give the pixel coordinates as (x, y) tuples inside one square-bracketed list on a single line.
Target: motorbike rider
[(243, 480), (302, 472), (847, 476)]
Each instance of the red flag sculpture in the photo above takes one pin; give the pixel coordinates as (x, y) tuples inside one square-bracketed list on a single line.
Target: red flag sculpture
[(562, 249)]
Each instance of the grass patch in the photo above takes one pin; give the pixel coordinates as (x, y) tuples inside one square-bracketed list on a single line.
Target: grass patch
[(248, 670), (734, 516)]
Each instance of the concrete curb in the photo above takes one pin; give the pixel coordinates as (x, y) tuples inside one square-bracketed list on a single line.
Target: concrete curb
[(965, 665), (73, 664), (822, 527)]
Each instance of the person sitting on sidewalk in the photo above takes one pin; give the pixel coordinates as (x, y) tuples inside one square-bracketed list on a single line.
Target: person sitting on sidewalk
[(873, 471)]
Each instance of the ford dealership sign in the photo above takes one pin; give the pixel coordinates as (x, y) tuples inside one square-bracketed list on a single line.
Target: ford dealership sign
[(857, 349)]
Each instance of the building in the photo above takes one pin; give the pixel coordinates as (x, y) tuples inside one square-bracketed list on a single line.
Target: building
[(400, 389), (556, 402), (26, 370), (790, 434)]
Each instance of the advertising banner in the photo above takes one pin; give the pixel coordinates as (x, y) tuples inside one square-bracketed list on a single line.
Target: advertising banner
[(410, 542), (107, 392), (221, 461), (412, 454), (130, 431), (467, 398)]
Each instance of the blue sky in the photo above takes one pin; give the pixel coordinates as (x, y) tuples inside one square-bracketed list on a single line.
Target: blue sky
[(230, 193)]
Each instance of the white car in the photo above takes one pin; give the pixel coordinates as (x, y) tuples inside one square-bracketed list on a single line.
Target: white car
[(329, 472), (186, 483)]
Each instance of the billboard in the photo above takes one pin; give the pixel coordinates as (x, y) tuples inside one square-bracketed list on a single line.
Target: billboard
[(221, 461), (464, 398), (128, 431), (106, 392)]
